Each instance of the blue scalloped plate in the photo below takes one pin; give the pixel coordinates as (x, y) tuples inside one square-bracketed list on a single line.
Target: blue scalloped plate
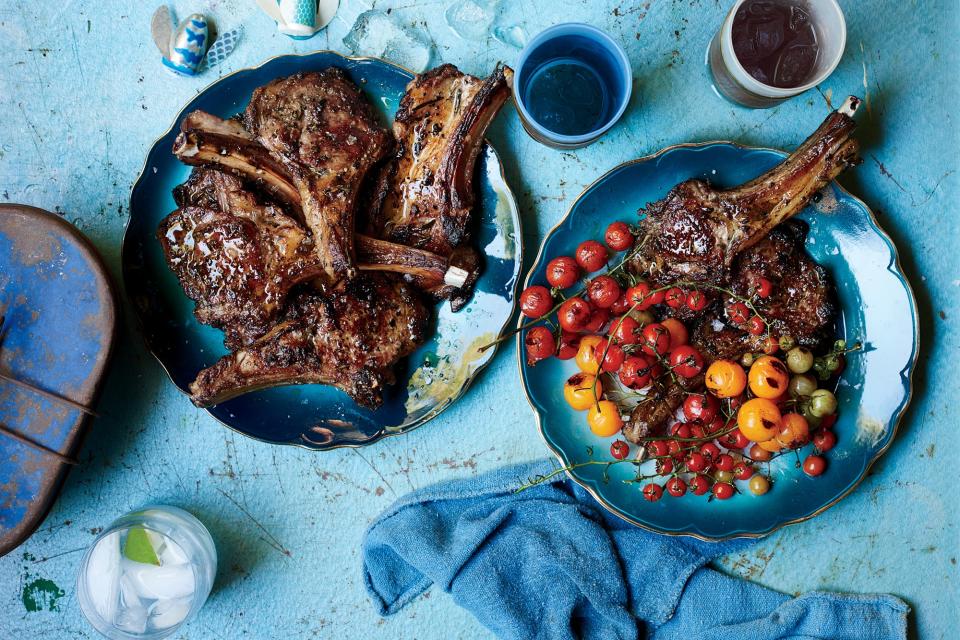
[(317, 416), (878, 308)]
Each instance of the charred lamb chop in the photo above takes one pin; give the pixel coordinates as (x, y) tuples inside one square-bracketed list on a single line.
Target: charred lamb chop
[(349, 339), (698, 235)]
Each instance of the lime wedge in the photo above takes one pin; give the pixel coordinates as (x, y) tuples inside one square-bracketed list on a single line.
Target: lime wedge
[(138, 547)]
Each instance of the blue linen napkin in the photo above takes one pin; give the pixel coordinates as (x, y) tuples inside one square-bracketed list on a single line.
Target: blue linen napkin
[(551, 563)]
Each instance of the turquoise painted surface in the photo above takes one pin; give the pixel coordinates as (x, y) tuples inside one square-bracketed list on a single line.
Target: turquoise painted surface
[(288, 522)]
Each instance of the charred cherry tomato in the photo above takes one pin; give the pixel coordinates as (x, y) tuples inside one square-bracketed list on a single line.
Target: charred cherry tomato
[(574, 314), (604, 419), (756, 326), (759, 454), (686, 361), (639, 296), (618, 236), (591, 255), (619, 449), (536, 301), (697, 462), (569, 344), (609, 355), (626, 330), (763, 287), (652, 492), (586, 355), (738, 313), (635, 372), (725, 379), (813, 466), (742, 471), (696, 300), (710, 451), (768, 377), (701, 406), (759, 485), (658, 448), (675, 297), (794, 431), (655, 339), (621, 306), (597, 320), (824, 441), (676, 487), (603, 292), (678, 332), (758, 419), (724, 462), (723, 490), (663, 466), (699, 484), (540, 344), (563, 272), (579, 393)]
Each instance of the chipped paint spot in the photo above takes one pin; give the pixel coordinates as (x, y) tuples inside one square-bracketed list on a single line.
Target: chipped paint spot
[(42, 595)]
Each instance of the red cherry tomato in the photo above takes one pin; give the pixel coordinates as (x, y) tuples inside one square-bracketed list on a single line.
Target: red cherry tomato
[(813, 466), (597, 319), (699, 484), (618, 236), (635, 372), (625, 330), (824, 441), (697, 462), (681, 430), (639, 296), (724, 462), (658, 448), (771, 345), (591, 255), (734, 440), (701, 406), (686, 361), (738, 313), (742, 471), (710, 451), (696, 300), (678, 332), (563, 272), (828, 421), (655, 339), (675, 449), (574, 314), (675, 297), (621, 306), (697, 430), (723, 490), (652, 492), (756, 326), (664, 466), (619, 449), (676, 487), (610, 356), (603, 292), (536, 301), (763, 287), (540, 344), (569, 345)]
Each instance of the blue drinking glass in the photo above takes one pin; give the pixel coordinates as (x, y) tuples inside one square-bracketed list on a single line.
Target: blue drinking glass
[(572, 84)]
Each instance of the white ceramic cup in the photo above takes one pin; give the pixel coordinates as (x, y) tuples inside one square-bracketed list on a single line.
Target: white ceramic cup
[(733, 81)]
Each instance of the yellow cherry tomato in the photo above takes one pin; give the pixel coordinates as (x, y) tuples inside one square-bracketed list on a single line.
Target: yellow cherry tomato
[(586, 358), (726, 379), (758, 419), (578, 391), (759, 485), (770, 446), (769, 377), (794, 431), (604, 419)]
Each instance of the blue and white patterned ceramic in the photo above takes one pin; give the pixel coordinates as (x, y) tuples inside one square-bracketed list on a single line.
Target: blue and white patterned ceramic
[(188, 45)]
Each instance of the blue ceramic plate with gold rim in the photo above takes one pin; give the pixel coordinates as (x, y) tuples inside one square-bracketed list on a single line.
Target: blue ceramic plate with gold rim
[(316, 416), (877, 308)]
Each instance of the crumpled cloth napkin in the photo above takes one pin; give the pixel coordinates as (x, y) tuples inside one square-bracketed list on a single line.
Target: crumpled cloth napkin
[(551, 563)]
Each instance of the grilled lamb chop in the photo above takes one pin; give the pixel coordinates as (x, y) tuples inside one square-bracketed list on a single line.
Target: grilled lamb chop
[(207, 141), (349, 339), (695, 233), (325, 135)]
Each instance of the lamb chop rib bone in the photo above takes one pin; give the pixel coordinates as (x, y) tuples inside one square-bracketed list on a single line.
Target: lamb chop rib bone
[(206, 140)]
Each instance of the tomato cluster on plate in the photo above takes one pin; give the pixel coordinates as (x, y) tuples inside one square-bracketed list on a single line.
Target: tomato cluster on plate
[(751, 411)]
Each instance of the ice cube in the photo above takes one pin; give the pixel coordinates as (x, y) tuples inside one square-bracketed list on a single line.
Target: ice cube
[(768, 35), (132, 619), (172, 553), (798, 18), (165, 614), (795, 65), (513, 35), (376, 34), (103, 576), (153, 582), (471, 19)]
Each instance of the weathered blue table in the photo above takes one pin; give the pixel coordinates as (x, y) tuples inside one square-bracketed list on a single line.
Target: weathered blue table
[(82, 97)]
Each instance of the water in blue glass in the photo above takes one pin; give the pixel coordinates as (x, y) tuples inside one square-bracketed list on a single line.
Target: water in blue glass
[(571, 85)]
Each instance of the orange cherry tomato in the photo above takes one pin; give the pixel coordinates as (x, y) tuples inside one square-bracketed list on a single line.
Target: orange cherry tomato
[(678, 332), (726, 379), (794, 431), (586, 358), (604, 419), (768, 377), (758, 453), (770, 446), (578, 391), (758, 419)]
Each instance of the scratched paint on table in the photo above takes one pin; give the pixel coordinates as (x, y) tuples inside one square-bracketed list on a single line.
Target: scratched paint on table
[(897, 533)]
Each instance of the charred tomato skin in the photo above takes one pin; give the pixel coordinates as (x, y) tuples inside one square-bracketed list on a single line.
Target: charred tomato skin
[(591, 256), (563, 272), (536, 301), (540, 344), (618, 236), (574, 314)]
